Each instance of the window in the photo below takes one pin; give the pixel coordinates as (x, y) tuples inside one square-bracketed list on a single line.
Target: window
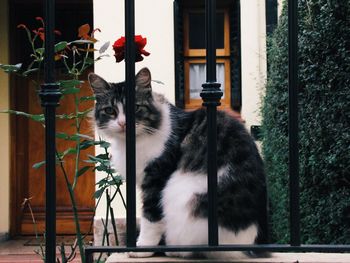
[(190, 53)]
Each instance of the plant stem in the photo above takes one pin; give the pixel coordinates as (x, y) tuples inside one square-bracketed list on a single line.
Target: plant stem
[(75, 211), (77, 157)]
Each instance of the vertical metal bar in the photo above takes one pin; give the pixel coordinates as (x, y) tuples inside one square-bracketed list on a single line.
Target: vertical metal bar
[(89, 257), (50, 95), (293, 122), (210, 15), (211, 95), (130, 122)]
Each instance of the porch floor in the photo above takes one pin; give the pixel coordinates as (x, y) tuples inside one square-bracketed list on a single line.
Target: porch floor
[(22, 251), (275, 258), (18, 251)]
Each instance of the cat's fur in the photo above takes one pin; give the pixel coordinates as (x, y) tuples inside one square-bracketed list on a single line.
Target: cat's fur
[(171, 157)]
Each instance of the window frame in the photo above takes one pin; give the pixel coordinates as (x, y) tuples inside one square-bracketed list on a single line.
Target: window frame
[(234, 10), (199, 56), (220, 52), (196, 103)]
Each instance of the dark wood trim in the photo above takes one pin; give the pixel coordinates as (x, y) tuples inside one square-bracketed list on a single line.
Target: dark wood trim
[(235, 56), (271, 15), (201, 52), (179, 55), (18, 149)]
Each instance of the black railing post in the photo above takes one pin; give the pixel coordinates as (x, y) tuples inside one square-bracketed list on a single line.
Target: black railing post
[(211, 95), (130, 123), (50, 95), (89, 256), (293, 122)]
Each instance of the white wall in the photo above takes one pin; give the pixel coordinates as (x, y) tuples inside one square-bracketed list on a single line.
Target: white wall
[(253, 49), (155, 22), (5, 126)]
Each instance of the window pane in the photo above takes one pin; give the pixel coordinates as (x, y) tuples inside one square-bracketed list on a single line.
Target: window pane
[(197, 30), (197, 78)]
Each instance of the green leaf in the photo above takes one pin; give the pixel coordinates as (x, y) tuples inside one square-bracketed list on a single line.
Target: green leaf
[(104, 156), (34, 117), (70, 116), (85, 136), (158, 81), (89, 60), (62, 135), (40, 50), (86, 144), (11, 68), (104, 47), (70, 91), (81, 41), (38, 165), (67, 152), (84, 113), (93, 159), (87, 98), (27, 72), (83, 170), (71, 83), (60, 46), (104, 168), (103, 144), (99, 192)]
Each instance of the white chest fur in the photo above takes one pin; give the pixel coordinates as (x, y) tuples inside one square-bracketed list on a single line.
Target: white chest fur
[(148, 147)]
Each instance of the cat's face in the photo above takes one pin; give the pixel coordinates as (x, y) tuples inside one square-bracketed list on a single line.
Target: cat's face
[(110, 105)]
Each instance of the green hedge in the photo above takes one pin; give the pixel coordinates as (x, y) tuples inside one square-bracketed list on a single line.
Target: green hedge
[(324, 112)]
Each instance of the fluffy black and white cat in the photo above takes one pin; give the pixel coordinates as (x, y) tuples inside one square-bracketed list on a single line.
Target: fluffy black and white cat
[(171, 148)]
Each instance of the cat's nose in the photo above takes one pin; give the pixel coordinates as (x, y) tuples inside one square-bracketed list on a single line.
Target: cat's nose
[(121, 123)]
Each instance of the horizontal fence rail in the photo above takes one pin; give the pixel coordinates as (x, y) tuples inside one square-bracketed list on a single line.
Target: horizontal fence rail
[(258, 248)]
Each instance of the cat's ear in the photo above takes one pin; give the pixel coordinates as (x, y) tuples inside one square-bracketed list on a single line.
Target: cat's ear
[(143, 79), (98, 85)]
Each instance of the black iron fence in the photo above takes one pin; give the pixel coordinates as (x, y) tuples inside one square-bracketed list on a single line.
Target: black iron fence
[(211, 95)]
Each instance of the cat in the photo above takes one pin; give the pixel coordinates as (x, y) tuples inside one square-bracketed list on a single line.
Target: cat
[(171, 168)]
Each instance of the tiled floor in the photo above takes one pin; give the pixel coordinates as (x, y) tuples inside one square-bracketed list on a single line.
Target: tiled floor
[(275, 258), (18, 251)]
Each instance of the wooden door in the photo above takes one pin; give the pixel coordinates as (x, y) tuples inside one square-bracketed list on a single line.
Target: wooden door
[(27, 137)]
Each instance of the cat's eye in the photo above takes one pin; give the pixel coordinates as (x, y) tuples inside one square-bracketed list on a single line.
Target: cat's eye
[(137, 107), (109, 111)]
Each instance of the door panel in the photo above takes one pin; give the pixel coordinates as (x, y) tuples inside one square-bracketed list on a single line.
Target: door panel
[(27, 137)]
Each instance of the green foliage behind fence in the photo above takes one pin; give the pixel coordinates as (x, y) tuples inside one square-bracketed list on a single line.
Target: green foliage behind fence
[(324, 110)]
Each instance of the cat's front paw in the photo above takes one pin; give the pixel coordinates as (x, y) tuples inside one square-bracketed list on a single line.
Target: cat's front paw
[(140, 254)]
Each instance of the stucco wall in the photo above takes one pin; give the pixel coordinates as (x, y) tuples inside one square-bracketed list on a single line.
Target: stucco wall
[(157, 25), (253, 48), (4, 120), (154, 23)]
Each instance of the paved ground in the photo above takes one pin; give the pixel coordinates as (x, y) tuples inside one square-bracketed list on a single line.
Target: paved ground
[(276, 258), (21, 251), (18, 251)]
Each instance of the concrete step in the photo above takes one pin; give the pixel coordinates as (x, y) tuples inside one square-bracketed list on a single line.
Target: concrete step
[(275, 258)]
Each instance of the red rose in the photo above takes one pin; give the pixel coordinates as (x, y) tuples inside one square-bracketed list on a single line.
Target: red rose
[(119, 48)]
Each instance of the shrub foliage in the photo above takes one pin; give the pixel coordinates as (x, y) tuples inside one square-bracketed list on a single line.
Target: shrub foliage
[(324, 118)]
